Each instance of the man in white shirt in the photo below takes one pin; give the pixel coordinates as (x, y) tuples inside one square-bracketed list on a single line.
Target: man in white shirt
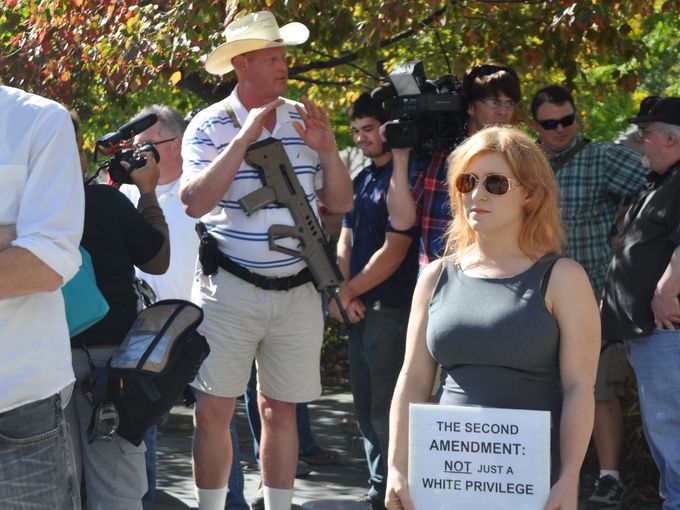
[(41, 222), (166, 136)]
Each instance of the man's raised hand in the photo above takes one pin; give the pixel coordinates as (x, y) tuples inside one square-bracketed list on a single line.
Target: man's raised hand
[(316, 131)]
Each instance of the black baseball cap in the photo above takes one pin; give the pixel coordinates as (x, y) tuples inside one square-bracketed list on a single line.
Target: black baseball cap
[(667, 110)]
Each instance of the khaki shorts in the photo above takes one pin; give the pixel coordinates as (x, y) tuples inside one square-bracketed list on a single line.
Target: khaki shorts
[(282, 330), (611, 372)]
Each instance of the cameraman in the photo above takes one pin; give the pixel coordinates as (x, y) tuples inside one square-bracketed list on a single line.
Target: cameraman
[(492, 93), (118, 238)]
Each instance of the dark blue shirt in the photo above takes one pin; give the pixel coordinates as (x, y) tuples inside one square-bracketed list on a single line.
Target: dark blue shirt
[(370, 222)]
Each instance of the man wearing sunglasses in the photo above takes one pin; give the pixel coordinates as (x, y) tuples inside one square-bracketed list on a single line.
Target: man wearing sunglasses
[(166, 136), (594, 178), (640, 305)]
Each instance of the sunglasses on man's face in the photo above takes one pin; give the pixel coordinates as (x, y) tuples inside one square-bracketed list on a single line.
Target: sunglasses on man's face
[(496, 184), (551, 124)]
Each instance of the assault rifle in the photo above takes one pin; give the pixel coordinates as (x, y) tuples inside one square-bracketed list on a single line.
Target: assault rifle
[(281, 186)]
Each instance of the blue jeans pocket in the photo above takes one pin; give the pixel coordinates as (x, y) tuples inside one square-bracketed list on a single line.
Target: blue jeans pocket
[(37, 469), (9, 437), (31, 421)]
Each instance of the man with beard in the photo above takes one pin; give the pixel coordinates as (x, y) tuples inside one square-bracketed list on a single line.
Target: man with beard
[(640, 305)]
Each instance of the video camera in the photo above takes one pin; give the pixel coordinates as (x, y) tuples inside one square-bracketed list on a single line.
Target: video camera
[(118, 145), (431, 114)]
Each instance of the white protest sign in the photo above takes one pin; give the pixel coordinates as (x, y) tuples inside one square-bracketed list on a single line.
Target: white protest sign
[(476, 458)]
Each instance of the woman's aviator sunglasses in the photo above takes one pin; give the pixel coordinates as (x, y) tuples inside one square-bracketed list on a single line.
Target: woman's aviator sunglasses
[(551, 124), (496, 184)]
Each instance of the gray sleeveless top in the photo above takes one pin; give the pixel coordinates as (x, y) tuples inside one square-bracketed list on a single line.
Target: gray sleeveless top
[(496, 341)]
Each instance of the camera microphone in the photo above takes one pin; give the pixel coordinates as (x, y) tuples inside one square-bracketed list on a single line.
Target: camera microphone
[(135, 127), (128, 130)]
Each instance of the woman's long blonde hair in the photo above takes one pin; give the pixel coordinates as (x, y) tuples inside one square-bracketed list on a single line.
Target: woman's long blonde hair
[(541, 230)]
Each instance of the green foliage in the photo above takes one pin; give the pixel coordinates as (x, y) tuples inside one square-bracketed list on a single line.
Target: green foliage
[(334, 353), (605, 112), (660, 69), (103, 54), (102, 113)]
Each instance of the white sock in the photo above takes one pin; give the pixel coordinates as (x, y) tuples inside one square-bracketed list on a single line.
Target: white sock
[(210, 499), (610, 472), (277, 499)]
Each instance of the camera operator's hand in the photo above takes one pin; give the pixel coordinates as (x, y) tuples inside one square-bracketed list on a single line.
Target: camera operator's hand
[(400, 203), (146, 177), (382, 131), (401, 153)]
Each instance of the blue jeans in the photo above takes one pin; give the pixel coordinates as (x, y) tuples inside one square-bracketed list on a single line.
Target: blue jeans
[(656, 361), (37, 469), (376, 353), (306, 440), (235, 498), (150, 439)]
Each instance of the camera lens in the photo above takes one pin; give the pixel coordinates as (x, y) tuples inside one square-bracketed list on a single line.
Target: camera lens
[(402, 134)]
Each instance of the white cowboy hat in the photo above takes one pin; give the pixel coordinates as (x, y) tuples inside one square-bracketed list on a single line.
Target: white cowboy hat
[(252, 32)]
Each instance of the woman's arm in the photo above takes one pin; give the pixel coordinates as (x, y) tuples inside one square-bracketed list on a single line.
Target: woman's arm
[(571, 299), (414, 385)]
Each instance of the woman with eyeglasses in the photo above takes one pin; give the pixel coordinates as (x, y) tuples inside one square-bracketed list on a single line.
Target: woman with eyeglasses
[(512, 323)]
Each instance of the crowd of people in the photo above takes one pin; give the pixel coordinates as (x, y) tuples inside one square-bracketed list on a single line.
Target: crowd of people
[(507, 272)]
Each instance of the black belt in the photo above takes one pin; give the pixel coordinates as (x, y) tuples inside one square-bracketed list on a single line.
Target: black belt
[(265, 282)]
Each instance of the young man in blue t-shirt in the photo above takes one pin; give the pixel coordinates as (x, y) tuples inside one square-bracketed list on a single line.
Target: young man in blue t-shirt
[(380, 265)]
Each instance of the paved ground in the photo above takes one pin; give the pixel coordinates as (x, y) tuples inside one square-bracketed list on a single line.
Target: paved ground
[(333, 487), (332, 423)]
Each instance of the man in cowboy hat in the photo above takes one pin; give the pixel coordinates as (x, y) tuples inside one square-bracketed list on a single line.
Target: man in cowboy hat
[(263, 305)]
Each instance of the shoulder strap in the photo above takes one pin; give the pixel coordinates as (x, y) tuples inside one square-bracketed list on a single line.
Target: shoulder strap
[(546, 276), (232, 114), (570, 154)]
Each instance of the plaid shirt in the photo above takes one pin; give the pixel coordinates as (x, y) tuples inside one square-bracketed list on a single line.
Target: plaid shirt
[(427, 179), (593, 184)]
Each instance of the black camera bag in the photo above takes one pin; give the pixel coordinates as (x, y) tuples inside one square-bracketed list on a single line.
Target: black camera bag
[(160, 355)]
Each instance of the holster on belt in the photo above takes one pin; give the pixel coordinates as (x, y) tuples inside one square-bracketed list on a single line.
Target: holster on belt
[(208, 253)]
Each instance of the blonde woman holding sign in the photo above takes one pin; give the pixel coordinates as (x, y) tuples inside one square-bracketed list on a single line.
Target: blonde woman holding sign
[(512, 324)]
